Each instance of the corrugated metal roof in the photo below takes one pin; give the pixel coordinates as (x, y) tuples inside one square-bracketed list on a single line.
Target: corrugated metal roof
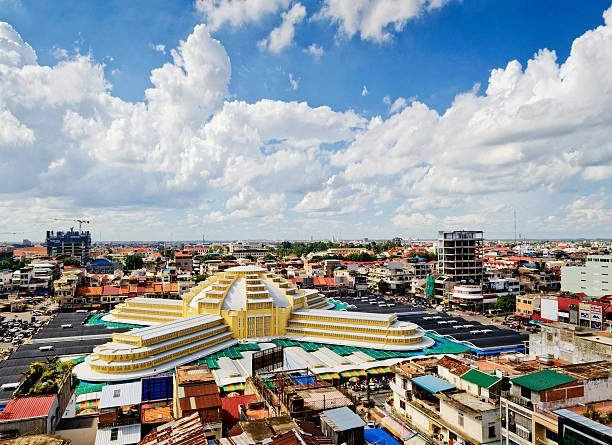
[(541, 380), (432, 383), (121, 395), (480, 378), (201, 402), (603, 429), (342, 419), (126, 434), (26, 407), (187, 430)]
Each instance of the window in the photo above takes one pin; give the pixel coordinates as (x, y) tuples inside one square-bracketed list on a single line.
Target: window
[(460, 419), (525, 392), (117, 393), (402, 405), (114, 434), (492, 431)]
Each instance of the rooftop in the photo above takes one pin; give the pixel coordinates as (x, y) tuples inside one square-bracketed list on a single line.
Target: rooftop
[(342, 419), (120, 395), (26, 407), (480, 378), (194, 374), (465, 400), (542, 380), (605, 430), (432, 383)]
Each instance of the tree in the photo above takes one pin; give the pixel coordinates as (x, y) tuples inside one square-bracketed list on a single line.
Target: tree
[(383, 286), (71, 262), (10, 263), (198, 277), (227, 257), (269, 257), (400, 289), (249, 257), (506, 303), (133, 262)]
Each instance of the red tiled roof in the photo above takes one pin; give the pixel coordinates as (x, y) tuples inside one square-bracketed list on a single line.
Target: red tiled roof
[(111, 290), (91, 290), (26, 407)]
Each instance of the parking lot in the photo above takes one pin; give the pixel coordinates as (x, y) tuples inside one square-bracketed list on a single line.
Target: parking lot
[(18, 327)]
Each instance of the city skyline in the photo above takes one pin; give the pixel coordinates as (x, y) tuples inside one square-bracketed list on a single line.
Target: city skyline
[(285, 119)]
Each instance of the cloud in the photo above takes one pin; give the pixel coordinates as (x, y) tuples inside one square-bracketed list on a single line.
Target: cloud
[(314, 50), (237, 12), (536, 136), (159, 48), (364, 92), (282, 36), (375, 19), (399, 104), (294, 83)]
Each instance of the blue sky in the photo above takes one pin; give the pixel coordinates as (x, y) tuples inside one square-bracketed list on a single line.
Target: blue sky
[(444, 49), (434, 57)]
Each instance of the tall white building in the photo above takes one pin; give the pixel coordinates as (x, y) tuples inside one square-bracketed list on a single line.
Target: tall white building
[(592, 279)]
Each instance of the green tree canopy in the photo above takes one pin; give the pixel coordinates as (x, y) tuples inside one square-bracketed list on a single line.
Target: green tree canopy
[(133, 262), (383, 286)]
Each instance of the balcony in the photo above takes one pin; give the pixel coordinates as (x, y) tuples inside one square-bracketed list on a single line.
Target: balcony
[(399, 390)]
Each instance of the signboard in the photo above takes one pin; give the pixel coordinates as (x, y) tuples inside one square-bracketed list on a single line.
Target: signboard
[(549, 309), (584, 310), (596, 313), (429, 289), (267, 360)]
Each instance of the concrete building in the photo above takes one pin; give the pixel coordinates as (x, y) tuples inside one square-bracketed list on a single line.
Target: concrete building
[(460, 256), (593, 279), (71, 243), (570, 343), (183, 261), (244, 302), (441, 411), (526, 409)]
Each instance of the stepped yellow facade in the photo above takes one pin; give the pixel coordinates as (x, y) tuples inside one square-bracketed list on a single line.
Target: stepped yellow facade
[(243, 302)]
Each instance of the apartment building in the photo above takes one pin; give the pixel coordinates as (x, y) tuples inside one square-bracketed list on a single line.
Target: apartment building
[(441, 410), (593, 279), (460, 255), (527, 409)]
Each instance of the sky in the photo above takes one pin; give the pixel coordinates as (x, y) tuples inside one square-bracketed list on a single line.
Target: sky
[(284, 119)]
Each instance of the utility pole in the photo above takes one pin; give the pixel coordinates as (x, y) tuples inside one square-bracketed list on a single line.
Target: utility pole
[(514, 224)]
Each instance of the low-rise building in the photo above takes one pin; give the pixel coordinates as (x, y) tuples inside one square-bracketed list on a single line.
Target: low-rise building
[(438, 409), (195, 391)]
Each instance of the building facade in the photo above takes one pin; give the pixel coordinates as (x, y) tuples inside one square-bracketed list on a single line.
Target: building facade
[(71, 243), (593, 279), (460, 255)]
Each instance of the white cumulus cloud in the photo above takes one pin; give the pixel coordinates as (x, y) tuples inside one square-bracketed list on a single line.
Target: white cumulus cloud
[(375, 19), (282, 36), (237, 12)]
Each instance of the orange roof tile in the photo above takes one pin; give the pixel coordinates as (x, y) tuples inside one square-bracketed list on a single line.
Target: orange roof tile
[(89, 290), (154, 415)]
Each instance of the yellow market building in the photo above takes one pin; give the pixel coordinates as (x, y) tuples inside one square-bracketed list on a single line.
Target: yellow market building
[(241, 303)]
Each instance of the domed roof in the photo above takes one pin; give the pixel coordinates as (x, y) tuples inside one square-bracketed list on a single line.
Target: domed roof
[(241, 285), (246, 269)]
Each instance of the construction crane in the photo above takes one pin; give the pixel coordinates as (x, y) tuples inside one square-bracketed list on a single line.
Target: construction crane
[(80, 221)]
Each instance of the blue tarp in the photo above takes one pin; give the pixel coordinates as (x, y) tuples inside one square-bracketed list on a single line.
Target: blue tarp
[(432, 383), (303, 380), (379, 436)]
